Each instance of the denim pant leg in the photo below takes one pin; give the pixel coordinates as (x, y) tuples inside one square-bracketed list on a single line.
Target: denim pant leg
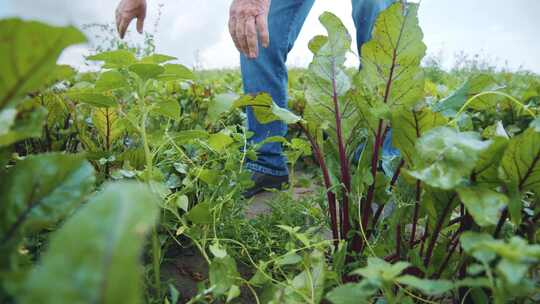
[(365, 13), (268, 73)]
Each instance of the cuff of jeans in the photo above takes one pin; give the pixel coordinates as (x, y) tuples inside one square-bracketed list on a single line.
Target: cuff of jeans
[(264, 170)]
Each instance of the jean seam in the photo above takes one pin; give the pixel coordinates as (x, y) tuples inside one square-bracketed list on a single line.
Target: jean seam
[(264, 170)]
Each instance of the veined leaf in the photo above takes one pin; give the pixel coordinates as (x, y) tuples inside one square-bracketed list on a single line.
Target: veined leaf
[(483, 204), (411, 125), (108, 124), (115, 59), (40, 191), (379, 271), (223, 274), (103, 267), (473, 86), (157, 58), (487, 168), (176, 72), (184, 137), (261, 105), (169, 108), (147, 70), (429, 287), (219, 141), (520, 165), (447, 157), (26, 63), (221, 104), (326, 82), (310, 281), (92, 98), (391, 60), (57, 110), (110, 80), (357, 293)]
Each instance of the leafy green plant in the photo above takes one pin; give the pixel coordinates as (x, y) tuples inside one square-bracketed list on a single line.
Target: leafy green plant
[(91, 260)]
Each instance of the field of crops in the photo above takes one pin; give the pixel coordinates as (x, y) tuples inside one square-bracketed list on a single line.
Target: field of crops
[(125, 185)]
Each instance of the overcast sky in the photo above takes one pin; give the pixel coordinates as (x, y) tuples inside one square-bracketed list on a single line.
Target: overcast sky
[(501, 30)]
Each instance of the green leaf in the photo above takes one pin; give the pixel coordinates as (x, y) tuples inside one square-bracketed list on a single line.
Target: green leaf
[(104, 266), (234, 292), (223, 274), (483, 204), (512, 271), (428, 287), (200, 214), (473, 86), (187, 136), (473, 243), (115, 59), (217, 251), (59, 73), (169, 108), (316, 43), (310, 281), (110, 80), (520, 165), (391, 60), (147, 70), (28, 123), (290, 258), (350, 293), (41, 190), (535, 124), (27, 63), (410, 125), (108, 124), (327, 81), (487, 168), (94, 99), (447, 157), (182, 202), (176, 72), (285, 115), (221, 104), (261, 106), (157, 59), (219, 141), (379, 271)]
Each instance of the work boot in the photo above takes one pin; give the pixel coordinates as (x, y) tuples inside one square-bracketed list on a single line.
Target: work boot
[(264, 182)]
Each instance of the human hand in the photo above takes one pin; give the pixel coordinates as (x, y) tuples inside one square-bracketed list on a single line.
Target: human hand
[(248, 21), (127, 11)]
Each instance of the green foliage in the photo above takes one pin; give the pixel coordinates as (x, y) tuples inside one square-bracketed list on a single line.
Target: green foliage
[(402, 226), (447, 157), (26, 63), (97, 261)]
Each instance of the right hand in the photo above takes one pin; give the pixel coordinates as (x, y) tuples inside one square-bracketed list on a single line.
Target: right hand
[(127, 11), (248, 22)]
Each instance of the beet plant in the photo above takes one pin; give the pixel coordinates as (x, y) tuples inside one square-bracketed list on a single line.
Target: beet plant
[(415, 215)]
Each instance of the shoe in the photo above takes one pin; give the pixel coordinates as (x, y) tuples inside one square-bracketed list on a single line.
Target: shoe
[(265, 181)]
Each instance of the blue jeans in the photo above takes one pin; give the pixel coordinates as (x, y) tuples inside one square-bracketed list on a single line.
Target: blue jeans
[(268, 73)]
